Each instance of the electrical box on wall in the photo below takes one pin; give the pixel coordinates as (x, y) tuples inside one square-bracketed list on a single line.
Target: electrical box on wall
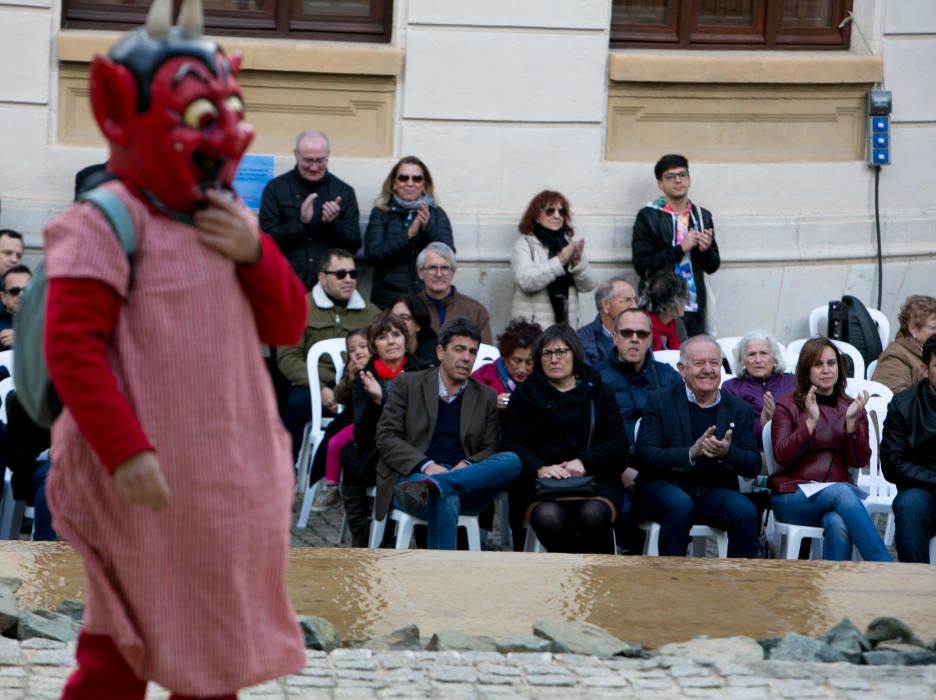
[(880, 105)]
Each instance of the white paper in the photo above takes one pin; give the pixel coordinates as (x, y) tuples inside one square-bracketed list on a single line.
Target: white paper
[(814, 487)]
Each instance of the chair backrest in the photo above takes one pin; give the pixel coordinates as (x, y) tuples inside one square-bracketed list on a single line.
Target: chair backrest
[(878, 487), (6, 360), (796, 346), (334, 348), (486, 355), (874, 389), (767, 440), (819, 323), (869, 373), (6, 386), (670, 357), (728, 346)]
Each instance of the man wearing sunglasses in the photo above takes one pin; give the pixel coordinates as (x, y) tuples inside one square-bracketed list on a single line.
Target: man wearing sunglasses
[(611, 298), (308, 210), (335, 309), (672, 233), (15, 281)]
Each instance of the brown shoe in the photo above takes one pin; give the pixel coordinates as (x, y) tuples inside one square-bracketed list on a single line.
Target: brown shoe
[(415, 496)]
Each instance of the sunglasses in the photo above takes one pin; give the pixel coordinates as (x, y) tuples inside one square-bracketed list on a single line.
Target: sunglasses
[(406, 178), (628, 332), (341, 274), (14, 291), (553, 210)]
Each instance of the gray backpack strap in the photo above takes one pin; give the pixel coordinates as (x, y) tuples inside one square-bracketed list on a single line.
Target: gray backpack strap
[(117, 214)]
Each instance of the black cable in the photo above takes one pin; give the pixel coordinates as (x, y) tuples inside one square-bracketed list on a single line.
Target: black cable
[(877, 226)]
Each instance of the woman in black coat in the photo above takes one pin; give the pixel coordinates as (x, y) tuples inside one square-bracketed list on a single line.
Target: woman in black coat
[(403, 222), (563, 422)]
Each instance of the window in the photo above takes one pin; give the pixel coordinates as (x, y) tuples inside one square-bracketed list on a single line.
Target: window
[(341, 20), (738, 24)]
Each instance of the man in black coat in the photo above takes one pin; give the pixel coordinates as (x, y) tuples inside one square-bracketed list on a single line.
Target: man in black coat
[(308, 210), (908, 457), (693, 443), (671, 233)]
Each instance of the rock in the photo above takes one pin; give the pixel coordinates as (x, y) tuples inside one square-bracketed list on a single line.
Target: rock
[(47, 625), (883, 629), (846, 638), (9, 611), (885, 657), (319, 633), (710, 651), (71, 607), (910, 654), (584, 638), (796, 647), (450, 640), (768, 645), (10, 583), (931, 645), (403, 639), (523, 645)]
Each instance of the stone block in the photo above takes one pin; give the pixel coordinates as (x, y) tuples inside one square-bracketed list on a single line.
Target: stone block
[(25, 43), (846, 638), (738, 649), (47, 625), (584, 638), (452, 640), (524, 645), (796, 647), (319, 633), (405, 639)]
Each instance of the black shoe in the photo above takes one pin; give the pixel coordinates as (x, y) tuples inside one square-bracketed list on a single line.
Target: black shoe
[(415, 496)]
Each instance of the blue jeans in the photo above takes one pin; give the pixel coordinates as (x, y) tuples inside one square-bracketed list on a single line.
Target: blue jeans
[(677, 509), (468, 490), (844, 519), (42, 517), (915, 520)]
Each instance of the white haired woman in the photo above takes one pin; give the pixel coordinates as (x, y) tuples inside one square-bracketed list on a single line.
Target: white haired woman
[(761, 377)]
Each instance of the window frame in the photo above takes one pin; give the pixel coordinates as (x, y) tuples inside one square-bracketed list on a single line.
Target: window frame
[(279, 19), (682, 31)]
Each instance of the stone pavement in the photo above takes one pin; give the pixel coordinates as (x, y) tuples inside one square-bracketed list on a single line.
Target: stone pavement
[(36, 669)]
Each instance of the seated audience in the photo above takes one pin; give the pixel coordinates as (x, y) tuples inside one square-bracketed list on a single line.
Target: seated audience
[(611, 298), (908, 456), (818, 434), (14, 283), (693, 444), (405, 219), (760, 377), (632, 372), (563, 422), (515, 363), (550, 269), (386, 338), (26, 453), (901, 364), (664, 300), (335, 308), (421, 338), (340, 432), (437, 439), (11, 249), (436, 266)]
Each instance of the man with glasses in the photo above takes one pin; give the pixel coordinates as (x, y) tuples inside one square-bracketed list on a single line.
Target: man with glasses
[(308, 210), (335, 309), (611, 298), (436, 267), (15, 280), (672, 233)]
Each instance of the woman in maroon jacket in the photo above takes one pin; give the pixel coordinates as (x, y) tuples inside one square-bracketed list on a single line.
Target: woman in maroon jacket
[(818, 434)]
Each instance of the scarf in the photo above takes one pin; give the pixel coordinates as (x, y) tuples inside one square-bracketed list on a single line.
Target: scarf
[(411, 208), (665, 336), (508, 382), (384, 372), (558, 289)]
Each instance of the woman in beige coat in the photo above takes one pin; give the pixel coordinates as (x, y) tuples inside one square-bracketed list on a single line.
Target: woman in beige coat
[(550, 269), (900, 366)]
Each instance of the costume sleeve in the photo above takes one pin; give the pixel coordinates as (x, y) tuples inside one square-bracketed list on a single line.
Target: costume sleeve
[(81, 315), (648, 257), (530, 275), (790, 436), (276, 295), (897, 459)]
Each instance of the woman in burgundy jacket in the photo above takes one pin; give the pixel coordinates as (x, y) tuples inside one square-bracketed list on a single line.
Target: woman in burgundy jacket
[(818, 434)]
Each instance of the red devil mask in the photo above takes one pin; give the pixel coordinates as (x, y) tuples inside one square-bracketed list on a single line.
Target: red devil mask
[(168, 103)]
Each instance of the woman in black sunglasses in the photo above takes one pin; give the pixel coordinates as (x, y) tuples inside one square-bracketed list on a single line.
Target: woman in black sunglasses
[(403, 221), (550, 268)]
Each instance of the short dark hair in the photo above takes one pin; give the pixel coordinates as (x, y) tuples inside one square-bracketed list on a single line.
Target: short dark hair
[(664, 291), (419, 310), (20, 269), (562, 332), (456, 327), (330, 255), (11, 233), (519, 333), (929, 349), (383, 322), (639, 312), (668, 162)]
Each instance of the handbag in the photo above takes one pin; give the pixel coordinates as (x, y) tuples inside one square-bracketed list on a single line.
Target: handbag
[(575, 486)]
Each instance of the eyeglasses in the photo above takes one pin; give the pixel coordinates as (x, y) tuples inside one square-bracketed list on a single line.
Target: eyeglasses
[(14, 291), (341, 274), (558, 353), (555, 210), (314, 161), (404, 317), (438, 269), (401, 177), (629, 332), (627, 300), (681, 175)]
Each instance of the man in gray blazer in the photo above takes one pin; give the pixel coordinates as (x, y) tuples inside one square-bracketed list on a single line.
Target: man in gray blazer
[(436, 440)]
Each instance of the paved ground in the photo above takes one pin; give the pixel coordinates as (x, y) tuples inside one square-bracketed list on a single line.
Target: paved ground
[(36, 669)]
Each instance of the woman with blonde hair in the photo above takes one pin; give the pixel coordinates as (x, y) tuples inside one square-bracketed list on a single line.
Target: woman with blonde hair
[(900, 366)]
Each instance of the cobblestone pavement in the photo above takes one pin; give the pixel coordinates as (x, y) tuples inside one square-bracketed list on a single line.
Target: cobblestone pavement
[(36, 669)]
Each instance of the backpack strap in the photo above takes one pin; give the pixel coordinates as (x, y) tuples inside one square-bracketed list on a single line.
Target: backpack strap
[(117, 214)]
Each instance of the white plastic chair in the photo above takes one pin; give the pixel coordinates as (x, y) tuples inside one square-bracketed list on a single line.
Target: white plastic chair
[(698, 533), (791, 536), (486, 355), (6, 386), (315, 429), (869, 373), (933, 551), (670, 357), (533, 545), (6, 360), (881, 492), (404, 529), (846, 348), (819, 323), (728, 346)]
